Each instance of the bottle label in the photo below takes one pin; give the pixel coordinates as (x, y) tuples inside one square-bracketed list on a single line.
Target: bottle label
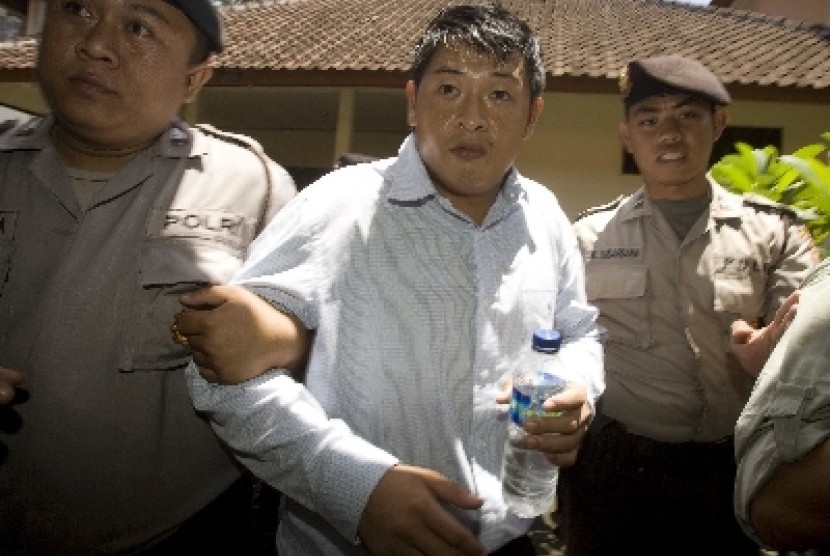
[(526, 400)]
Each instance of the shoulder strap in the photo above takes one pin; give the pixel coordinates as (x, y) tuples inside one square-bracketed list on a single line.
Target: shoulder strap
[(613, 205), (252, 145)]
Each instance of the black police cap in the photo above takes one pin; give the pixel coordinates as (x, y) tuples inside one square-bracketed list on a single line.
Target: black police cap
[(205, 17), (672, 74)]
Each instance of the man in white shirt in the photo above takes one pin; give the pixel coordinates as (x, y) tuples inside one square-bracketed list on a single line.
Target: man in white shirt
[(415, 274)]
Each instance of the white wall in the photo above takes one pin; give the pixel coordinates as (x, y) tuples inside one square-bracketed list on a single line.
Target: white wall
[(574, 149)]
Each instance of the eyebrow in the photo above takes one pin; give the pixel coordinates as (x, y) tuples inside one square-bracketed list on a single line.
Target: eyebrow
[(150, 11), (448, 70), (679, 104)]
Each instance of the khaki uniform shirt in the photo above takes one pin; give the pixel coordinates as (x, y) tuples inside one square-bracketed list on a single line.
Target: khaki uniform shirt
[(107, 452), (667, 305), (788, 414)]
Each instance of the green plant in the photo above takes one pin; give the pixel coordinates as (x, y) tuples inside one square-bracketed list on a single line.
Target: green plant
[(800, 180)]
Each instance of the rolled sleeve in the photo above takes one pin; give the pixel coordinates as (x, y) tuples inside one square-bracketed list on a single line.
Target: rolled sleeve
[(788, 413)]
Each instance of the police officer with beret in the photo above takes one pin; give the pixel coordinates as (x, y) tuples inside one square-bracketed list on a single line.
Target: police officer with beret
[(110, 208), (694, 286)]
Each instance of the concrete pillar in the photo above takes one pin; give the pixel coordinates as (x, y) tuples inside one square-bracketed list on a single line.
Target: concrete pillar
[(345, 123)]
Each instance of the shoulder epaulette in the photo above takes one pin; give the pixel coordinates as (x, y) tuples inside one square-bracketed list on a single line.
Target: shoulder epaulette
[(613, 205), (768, 205), (235, 138), (17, 128), (252, 145)]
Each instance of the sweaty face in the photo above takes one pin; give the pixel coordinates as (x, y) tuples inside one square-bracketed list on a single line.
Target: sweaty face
[(671, 138), (116, 72), (470, 114)]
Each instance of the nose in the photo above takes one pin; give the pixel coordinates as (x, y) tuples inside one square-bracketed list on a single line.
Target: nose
[(471, 114), (98, 43), (670, 131)]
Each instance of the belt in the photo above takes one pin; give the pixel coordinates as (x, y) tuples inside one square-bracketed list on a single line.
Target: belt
[(667, 453)]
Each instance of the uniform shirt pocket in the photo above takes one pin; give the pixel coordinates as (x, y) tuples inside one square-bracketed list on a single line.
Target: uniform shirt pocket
[(739, 286), (168, 268), (620, 293)]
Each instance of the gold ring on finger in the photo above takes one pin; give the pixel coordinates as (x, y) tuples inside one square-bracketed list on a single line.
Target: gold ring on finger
[(178, 337)]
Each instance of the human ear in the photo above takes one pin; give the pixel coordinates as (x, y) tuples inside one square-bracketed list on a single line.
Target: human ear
[(625, 137), (411, 92), (536, 106), (197, 76), (720, 117)]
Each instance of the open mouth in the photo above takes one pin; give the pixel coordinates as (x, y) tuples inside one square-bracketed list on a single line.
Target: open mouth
[(670, 157)]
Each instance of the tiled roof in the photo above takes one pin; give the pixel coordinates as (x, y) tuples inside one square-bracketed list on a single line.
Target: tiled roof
[(580, 38)]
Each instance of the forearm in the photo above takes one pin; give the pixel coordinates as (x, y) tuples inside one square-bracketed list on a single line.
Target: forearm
[(276, 428), (290, 344), (792, 511)]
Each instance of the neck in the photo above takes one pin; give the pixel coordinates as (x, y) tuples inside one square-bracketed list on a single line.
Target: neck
[(678, 192), (77, 152)]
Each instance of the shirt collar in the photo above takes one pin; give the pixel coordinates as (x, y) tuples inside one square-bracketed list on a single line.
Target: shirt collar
[(724, 205), (637, 206), (32, 135), (410, 181), (176, 142), (407, 176), (179, 141)]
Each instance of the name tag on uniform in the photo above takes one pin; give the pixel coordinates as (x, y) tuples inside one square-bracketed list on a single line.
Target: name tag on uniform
[(612, 253), (213, 225), (7, 225)]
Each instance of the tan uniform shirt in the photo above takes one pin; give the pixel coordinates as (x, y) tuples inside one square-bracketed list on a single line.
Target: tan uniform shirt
[(667, 305), (109, 452)]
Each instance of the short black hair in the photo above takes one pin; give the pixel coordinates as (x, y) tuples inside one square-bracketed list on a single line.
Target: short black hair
[(489, 28), (202, 50)]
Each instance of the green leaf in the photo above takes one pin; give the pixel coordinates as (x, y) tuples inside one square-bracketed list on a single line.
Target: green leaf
[(800, 180)]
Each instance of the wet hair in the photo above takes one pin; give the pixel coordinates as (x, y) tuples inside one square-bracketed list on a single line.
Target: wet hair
[(491, 29)]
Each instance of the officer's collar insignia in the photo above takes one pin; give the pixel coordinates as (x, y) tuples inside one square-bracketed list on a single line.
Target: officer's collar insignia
[(625, 82), (178, 137), (29, 127)]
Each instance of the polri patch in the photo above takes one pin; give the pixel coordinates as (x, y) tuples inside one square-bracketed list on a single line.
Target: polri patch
[(214, 225)]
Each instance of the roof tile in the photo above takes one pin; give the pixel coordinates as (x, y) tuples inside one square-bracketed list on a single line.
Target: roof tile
[(579, 38)]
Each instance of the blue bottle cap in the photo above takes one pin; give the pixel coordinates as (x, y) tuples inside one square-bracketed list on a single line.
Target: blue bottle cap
[(546, 339)]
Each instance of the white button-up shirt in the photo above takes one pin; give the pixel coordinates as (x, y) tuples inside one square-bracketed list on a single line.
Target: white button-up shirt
[(420, 314)]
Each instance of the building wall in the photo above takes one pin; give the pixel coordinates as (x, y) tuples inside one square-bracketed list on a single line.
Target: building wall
[(808, 11), (574, 149)]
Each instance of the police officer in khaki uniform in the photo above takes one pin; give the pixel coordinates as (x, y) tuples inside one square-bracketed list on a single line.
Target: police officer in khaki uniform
[(110, 207), (679, 270)]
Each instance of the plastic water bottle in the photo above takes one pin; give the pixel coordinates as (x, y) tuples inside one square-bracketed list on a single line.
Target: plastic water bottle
[(528, 478)]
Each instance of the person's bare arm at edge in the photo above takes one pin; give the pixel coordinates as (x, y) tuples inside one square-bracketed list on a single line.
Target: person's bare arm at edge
[(404, 515), (9, 381), (791, 511), (753, 346), (235, 335)]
